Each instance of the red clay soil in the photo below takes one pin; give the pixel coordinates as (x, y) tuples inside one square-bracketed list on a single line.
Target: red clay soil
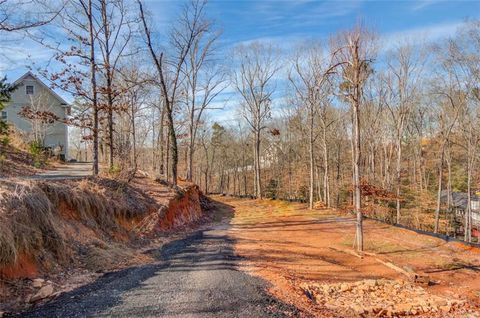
[(288, 245), (91, 245), (25, 267)]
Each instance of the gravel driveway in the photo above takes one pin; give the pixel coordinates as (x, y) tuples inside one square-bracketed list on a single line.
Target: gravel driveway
[(197, 277)]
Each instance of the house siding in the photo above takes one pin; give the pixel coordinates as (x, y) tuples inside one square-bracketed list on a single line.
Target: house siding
[(57, 133)]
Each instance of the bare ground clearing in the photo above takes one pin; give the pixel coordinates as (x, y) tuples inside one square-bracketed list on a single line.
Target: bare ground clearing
[(293, 247)]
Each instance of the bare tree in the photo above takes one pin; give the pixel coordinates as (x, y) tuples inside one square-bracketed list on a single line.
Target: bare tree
[(26, 14), (310, 78), (77, 69), (170, 70), (254, 67), (39, 113), (402, 78), (87, 7), (115, 31), (356, 53), (204, 81)]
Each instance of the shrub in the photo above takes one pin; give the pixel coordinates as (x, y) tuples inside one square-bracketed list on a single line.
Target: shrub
[(115, 170), (272, 189), (37, 151), (5, 141)]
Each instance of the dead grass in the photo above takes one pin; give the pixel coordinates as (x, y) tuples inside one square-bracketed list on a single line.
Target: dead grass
[(27, 222), (15, 160), (54, 229), (35, 214)]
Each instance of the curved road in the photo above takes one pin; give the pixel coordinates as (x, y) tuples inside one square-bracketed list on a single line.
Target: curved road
[(197, 277), (71, 170)]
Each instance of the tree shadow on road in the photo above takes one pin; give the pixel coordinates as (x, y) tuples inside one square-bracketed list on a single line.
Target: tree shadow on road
[(115, 293)]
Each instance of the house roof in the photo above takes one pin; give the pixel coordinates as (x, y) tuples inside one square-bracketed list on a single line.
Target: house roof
[(459, 199), (58, 97)]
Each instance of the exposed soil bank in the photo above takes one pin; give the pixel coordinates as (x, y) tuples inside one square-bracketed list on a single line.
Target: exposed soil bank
[(195, 277), (57, 230)]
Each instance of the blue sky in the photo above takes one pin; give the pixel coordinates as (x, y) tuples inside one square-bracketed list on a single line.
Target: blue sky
[(287, 22)]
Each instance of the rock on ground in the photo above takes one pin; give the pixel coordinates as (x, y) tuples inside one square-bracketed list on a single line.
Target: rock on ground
[(44, 292), (379, 298)]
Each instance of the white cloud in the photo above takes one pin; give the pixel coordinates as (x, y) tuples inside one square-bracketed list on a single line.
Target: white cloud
[(419, 35), (17, 54), (304, 11), (285, 43), (422, 4)]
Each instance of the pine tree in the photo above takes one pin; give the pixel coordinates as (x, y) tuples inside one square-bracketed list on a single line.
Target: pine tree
[(6, 90)]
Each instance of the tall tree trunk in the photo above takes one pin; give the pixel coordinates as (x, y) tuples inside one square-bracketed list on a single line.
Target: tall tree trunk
[(326, 178), (173, 146), (449, 191), (191, 141), (93, 82), (255, 168), (338, 175), (311, 161), (109, 80), (357, 94), (356, 177), (258, 181), (154, 143), (161, 139), (398, 176), (190, 159), (167, 157), (468, 212), (134, 138), (244, 174), (439, 191), (110, 126)]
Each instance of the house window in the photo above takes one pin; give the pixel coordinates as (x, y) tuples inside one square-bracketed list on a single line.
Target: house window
[(29, 89), (4, 115)]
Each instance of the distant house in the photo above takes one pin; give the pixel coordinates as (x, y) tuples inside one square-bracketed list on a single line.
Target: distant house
[(459, 201), (32, 92)]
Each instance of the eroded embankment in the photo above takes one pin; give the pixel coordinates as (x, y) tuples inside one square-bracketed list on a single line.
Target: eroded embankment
[(47, 228)]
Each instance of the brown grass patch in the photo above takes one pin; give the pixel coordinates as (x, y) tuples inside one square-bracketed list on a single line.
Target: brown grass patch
[(48, 229), (34, 215)]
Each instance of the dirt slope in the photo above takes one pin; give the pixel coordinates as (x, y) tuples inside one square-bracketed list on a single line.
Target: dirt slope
[(15, 162)]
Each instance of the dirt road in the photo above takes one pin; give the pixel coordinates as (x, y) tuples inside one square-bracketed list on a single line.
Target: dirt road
[(285, 244), (67, 171), (197, 277)]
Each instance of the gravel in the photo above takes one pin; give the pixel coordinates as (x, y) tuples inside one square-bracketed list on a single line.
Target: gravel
[(195, 277)]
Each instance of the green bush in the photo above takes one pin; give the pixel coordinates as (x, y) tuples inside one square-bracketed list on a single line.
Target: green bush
[(271, 191), (2, 160), (115, 170), (36, 149), (5, 141)]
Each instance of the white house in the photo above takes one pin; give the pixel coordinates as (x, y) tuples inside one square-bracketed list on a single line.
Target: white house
[(32, 92)]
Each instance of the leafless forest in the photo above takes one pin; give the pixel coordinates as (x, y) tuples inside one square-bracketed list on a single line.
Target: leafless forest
[(385, 130)]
